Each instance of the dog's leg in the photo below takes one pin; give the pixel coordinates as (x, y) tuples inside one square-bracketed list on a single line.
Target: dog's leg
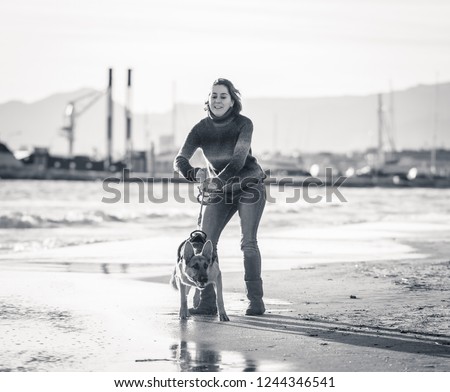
[(173, 279), (222, 314), (196, 300), (184, 313)]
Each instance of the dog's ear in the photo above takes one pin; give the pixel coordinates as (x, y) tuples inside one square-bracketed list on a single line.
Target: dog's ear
[(188, 251), (207, 250)]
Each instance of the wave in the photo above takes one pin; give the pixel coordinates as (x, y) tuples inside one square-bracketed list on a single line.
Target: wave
[(46, 243), (19, 220)]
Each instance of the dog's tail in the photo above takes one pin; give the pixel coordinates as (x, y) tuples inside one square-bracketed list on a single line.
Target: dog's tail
[(173, 280)]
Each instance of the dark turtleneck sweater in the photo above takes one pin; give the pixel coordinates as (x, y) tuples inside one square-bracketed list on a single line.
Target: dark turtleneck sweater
[(225, 142)]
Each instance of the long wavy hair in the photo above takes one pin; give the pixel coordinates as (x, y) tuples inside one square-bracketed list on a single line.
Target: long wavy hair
[(234, 92)]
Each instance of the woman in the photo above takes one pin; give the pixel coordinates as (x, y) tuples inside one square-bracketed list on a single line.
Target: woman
[(225, 137)]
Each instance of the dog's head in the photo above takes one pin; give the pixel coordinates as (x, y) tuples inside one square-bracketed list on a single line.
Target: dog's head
[(196, 264)]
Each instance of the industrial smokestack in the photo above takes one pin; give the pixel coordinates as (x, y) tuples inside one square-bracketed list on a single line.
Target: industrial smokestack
[(109, 120), (380, 157), (128, 141), (174, 110)]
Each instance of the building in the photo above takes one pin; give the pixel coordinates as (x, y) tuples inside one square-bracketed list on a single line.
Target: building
[(7, 159), (41, 160)]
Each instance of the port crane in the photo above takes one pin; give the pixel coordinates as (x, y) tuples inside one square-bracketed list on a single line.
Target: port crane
[(74, 109)]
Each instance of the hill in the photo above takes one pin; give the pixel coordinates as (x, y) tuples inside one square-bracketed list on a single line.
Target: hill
[(336, 124)]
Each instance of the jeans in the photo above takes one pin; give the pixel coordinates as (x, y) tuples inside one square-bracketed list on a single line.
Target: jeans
[(218, 213)]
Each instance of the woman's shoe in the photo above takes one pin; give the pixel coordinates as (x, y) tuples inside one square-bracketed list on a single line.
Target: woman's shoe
[(254, 295), (255, 308)]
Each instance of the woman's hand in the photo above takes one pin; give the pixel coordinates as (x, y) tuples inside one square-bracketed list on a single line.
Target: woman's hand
[(201, 175), (213, 185), (208, 184)]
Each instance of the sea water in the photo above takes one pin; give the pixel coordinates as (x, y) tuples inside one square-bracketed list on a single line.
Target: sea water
[(41, 215)]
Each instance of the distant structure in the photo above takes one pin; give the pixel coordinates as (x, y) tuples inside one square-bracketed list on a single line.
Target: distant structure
[(151, 161), (386, 151), (109, 119), (435, 127), (166, 154), (73, 111), (7, 159), (128, 123), (167, 143), (380, 165), (283, 165), (174, 109)]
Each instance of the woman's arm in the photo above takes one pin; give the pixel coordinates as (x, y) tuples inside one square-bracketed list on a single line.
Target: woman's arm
[(240, 153), (181, 163)]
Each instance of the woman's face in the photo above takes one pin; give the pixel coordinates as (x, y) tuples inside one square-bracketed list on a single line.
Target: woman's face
[(220, 100)]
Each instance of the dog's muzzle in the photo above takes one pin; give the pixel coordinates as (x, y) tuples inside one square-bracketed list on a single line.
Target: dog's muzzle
[(202, 281)]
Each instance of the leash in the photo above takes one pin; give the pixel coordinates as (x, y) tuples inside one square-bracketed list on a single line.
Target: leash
[(203, 198), (197, 235), (200, 199)]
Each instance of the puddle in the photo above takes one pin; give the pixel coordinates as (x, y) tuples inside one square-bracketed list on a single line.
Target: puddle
[(154, 272), (278, 305), (236, 303), (199, 357), (195, 357)]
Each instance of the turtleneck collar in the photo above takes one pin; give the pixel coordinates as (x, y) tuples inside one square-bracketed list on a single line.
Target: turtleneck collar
[(229, 115)]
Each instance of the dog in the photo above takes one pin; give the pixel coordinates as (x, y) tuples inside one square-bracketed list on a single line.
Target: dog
[(197, 267)]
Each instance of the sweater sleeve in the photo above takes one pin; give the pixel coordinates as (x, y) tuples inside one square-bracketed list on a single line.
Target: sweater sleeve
[(240, 153), (181, 163)]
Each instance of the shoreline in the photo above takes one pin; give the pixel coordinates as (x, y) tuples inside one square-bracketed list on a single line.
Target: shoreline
[(381, 181)]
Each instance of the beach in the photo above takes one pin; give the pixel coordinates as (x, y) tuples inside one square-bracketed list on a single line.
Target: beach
[(361, 286)]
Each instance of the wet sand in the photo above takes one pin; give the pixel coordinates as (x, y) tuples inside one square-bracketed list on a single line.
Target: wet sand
[(55, 321), (108, 307)]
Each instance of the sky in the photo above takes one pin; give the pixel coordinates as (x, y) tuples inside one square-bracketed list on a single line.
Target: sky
[(176, 48)]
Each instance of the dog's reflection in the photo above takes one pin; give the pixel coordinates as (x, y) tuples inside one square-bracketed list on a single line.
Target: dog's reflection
[(198, 357)]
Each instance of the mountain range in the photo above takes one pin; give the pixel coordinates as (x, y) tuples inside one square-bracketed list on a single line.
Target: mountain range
[(334, 124)]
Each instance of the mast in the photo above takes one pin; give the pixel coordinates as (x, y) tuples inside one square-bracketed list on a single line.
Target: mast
[(150, 147), (152, 161), (392, 117), (435, 126), (380, 133), (109, 119), (128, 121), (275, 130), (174, 110)]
